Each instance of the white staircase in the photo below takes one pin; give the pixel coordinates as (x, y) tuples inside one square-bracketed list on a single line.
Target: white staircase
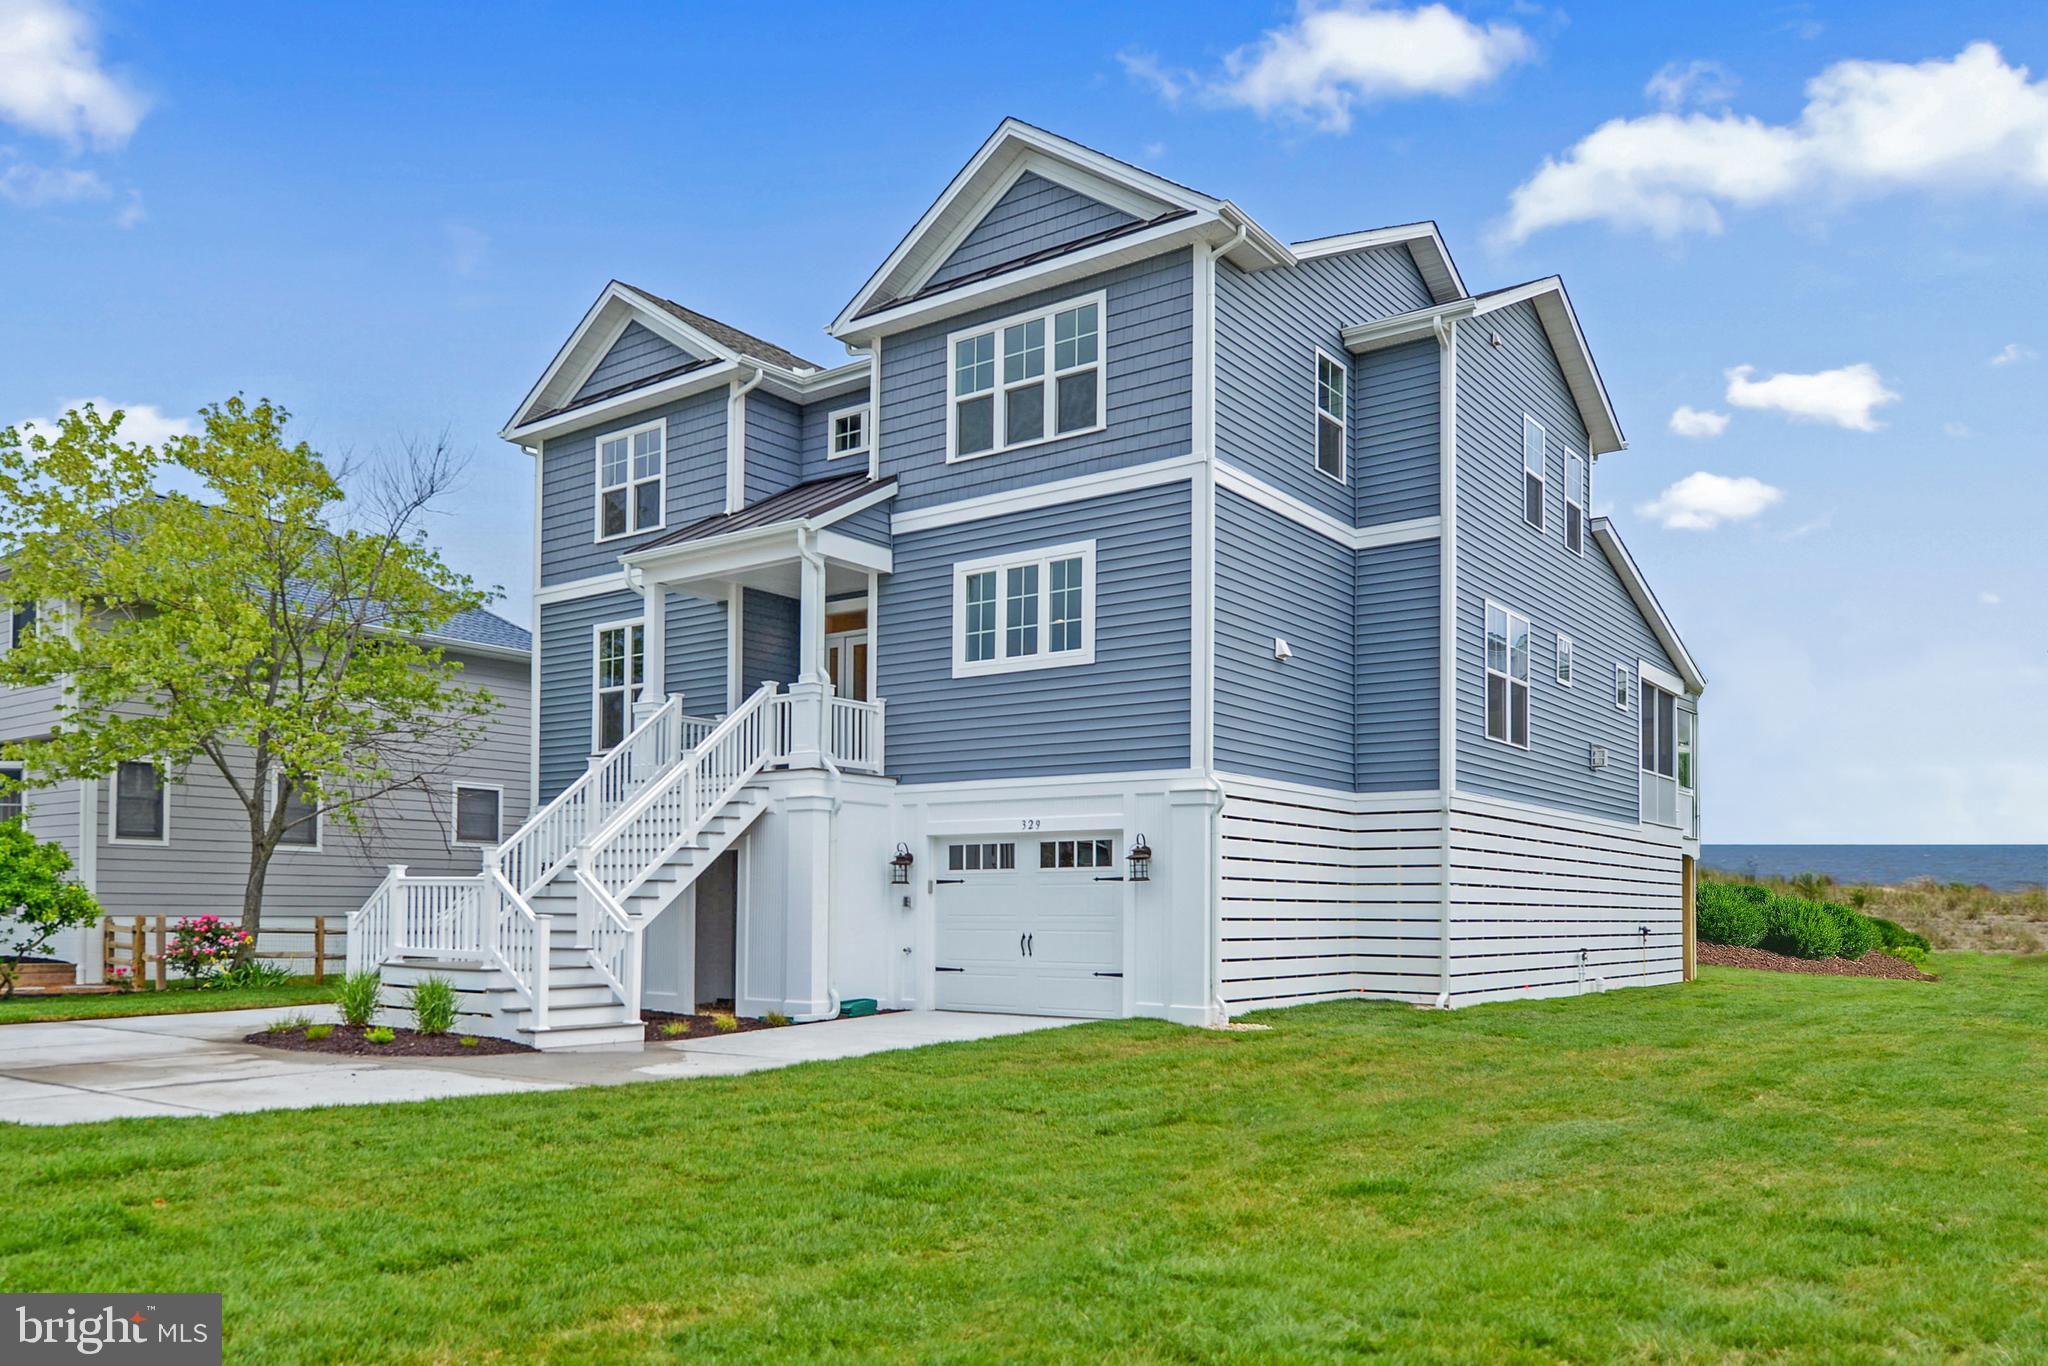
[(544, 943)]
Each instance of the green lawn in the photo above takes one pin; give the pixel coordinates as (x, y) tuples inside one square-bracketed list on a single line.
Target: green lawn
[(1758, 1165), (174, 1001)]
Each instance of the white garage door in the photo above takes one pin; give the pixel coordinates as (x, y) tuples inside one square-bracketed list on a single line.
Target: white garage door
[(1031, 925)]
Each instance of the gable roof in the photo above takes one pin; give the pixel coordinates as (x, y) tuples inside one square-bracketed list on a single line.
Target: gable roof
[(727, 337), (1638, 588), (1425, 247)]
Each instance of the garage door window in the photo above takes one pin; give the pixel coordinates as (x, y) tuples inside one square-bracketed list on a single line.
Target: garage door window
[(1076, 854), (980, 858)]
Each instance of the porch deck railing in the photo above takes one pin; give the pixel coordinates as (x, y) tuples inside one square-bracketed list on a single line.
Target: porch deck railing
[(853, 733)]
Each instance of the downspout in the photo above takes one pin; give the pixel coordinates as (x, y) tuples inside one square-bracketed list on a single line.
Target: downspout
[(807, 550), (736, 442), (1447, 623)]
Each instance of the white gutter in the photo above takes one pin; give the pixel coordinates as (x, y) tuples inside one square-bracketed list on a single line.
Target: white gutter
[(736, 441)]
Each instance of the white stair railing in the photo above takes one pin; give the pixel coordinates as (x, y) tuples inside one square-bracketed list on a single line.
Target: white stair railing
[(370, 925), (853, 733)]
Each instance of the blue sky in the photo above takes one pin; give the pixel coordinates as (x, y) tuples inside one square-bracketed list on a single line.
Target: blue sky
[(387, 217)]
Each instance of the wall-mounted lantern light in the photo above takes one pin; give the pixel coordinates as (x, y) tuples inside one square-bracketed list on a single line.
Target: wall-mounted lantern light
[(1141, 860), (899, 867)]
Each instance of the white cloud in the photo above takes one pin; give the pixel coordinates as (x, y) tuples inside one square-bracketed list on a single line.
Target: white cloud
[(1687, 420), (2013, 354), (1961, 431), (35, 187), (1989, 599), (1973, 121), (1678, 84), (142, 423), (1845, 397), (1334, 56), (1703, 501), (51, 80)]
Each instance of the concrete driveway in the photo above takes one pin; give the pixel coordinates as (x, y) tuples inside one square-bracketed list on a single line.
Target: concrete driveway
[(78, 1072)]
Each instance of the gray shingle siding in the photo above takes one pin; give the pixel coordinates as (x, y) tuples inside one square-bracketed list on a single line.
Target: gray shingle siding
[(1268, 326), (817, 433), (1148, 400), (636, 355), (696, 485), (869, 524), (1274, 577), (768, 639), (774, 445), (1126, 711), (1394, 451), (1033, 215), (1398, 647), (1530, 572)]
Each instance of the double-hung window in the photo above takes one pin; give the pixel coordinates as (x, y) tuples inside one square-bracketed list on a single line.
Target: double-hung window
[(1033, 610), (139, 812), (301, 818), (477, 810), (17, 623), (1507, 676), (1025, 380), (848, 434), (1532, 471), (1624, 684), (1565, 653), (632, 475), (621, 672), (1575, 502), (1331, 409), (12, 805)]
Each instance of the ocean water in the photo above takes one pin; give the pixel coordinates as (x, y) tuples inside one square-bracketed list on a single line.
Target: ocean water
[(2003, 866)]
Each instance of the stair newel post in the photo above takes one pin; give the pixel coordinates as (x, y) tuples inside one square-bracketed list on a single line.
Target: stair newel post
[(543, 951), (395, 879)]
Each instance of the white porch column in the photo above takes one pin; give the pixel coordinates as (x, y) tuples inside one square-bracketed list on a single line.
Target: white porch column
[(654, 612), (808, 693)]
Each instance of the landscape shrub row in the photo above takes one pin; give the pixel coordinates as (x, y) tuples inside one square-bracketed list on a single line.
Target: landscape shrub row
[(1749, 915)]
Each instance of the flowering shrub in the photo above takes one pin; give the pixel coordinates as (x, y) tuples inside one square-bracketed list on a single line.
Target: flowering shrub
[(203, 946), (120, 979)]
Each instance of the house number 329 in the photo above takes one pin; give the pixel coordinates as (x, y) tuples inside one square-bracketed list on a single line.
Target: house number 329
[(1029, 824)]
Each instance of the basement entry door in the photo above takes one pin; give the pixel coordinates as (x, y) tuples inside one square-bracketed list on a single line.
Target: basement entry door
[(1033, 925)]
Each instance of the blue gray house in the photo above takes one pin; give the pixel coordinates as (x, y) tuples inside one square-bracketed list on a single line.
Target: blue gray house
[(1151, 617)]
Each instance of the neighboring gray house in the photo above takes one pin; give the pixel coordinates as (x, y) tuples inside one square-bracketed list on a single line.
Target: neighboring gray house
[(176, 844), (1129, 527)]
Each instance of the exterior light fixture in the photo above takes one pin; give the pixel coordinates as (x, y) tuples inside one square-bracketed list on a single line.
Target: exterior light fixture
[(1141, 860), (899, 867)]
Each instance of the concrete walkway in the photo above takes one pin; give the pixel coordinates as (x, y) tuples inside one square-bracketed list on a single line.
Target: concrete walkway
[(78, 1072)]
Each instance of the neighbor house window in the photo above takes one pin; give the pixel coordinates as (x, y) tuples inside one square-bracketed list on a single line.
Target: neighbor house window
[(621, 672), (139, 804), (11, 803), (1564, 659), (301, 820), (1624, 684), (1330, 410), (1574, 502), (1532, 472), (632, 475), (849, 433), (1028, 611), (981, 858), (1507, 676), (1026, 379), (477, 814)]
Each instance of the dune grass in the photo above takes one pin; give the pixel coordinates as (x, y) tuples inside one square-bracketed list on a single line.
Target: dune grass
[(1757, 1165), (1954, 915), (171, 1001)]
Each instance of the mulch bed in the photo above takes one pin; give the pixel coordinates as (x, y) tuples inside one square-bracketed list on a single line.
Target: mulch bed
[(1872, 964), (408, 1043), (701, 1025)]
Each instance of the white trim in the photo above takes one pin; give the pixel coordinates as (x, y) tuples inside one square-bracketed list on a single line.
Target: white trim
[(114, 835), (1624, 689), (1318, 414), (1256, 490), (1047, 378), (1508, 692), (1425, 247), (1646, 672), (620, 406), (1447, 624), (735, 641), (633, 481), (866, 411), (1202, 518), (1561, 818), (597, 631), (569, 590), (319, 843), (1564, 661), (1078, 489), (455, 840), (1043, 657)]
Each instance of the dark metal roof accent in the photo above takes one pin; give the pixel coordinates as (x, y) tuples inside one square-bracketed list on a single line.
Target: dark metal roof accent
[(628, 387), (1034, 258), (790, 505), (726, 335)]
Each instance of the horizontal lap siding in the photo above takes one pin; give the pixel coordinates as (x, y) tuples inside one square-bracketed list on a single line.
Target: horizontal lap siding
[(1534, 894), (816, 437), (1289, 720), (1126, 711), (637, 354), (696, 486), (695, 658), (1148, 389), (1033, 215), (1325, 897), (768, 639), (869, 524), (1396, 456), (1268, 326), (774, 445), (1398, 690), (1530, 572)]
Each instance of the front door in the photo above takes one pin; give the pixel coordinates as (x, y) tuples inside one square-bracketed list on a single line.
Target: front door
[(846, 659)]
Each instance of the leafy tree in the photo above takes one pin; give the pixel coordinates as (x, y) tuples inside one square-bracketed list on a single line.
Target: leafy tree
[(272, 627), (36, 899)]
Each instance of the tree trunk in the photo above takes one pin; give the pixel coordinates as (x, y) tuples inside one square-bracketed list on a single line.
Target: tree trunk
[(252, 900)]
